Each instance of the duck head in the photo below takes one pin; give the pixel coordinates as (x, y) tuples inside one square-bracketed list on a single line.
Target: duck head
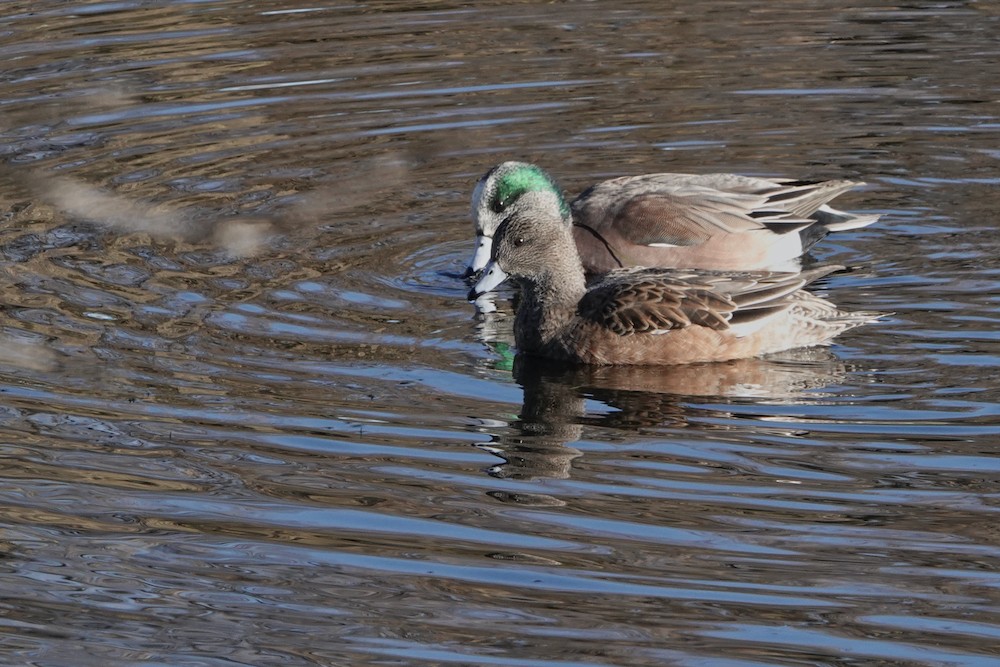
[(532, 243), (494, 195)]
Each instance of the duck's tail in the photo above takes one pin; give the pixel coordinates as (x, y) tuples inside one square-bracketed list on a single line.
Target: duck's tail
[(829, 219)]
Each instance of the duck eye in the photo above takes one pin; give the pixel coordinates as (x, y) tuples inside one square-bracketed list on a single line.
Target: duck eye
[(498, 205), (518, 241)]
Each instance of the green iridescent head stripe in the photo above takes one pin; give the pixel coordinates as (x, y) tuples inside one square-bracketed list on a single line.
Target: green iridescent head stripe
[(526, 178)]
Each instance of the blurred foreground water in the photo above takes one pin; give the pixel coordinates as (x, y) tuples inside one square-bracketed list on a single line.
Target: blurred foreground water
[(249, 418)]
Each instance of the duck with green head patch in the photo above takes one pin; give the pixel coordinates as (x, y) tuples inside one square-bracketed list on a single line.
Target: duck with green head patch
[(646, 315), (500, 187), (699, 221)]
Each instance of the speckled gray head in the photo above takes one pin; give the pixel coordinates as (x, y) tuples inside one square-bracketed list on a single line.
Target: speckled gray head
[(532, 230), (493, 196)]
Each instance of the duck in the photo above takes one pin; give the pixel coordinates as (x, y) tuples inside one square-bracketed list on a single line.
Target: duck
[(718, 221), (642, 315)]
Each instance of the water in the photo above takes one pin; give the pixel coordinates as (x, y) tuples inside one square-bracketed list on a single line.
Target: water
[(249, 418)]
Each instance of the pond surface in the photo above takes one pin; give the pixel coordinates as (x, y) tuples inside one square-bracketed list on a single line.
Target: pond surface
[(250, 419)]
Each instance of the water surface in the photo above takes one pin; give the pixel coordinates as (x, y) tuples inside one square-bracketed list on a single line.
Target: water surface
[(249, 418)]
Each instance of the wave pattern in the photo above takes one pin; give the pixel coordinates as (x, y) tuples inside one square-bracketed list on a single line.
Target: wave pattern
[(249, 418)]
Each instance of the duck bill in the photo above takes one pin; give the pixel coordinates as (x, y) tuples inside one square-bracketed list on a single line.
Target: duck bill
[(484, 246), (493, 276)]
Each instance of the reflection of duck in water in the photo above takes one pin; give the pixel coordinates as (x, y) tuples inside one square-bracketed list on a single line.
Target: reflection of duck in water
[(536, 443), (539, 442)]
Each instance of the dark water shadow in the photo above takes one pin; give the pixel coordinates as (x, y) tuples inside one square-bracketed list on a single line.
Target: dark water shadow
[(555, 413)]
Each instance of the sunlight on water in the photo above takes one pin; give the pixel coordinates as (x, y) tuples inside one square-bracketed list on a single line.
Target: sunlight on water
[(251, 420)]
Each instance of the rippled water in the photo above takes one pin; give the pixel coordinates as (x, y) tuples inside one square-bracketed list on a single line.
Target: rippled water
[(249, 418)]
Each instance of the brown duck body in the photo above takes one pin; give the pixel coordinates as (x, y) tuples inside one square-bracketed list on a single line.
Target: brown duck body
[(665, 317), (648, 316), (721, 222)]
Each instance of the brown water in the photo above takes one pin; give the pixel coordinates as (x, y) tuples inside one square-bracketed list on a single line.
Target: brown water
[(249, 418)]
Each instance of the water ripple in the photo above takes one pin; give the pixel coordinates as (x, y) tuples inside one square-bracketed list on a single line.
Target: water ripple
[(250, 418)]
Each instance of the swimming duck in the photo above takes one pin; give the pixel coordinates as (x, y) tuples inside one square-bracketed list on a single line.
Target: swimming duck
[(645, 315), (708, 221)]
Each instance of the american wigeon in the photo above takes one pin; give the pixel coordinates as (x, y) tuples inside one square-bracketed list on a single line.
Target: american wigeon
[(644, 315), (710, 221)]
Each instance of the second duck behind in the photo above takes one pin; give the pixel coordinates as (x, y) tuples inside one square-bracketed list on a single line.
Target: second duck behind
[(646, 316)]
